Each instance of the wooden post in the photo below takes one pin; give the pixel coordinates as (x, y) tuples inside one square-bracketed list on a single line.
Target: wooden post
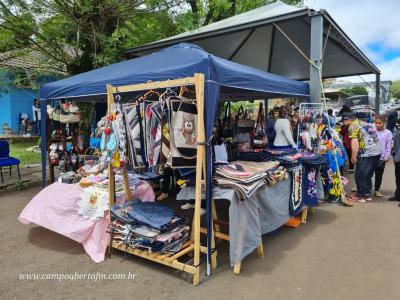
[(199, 85)]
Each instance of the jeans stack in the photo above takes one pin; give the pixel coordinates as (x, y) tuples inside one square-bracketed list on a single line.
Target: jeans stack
[(150, 226)]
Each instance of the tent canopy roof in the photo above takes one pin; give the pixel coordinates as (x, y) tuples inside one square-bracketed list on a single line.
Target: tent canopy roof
[(251, 39), (178, 61)]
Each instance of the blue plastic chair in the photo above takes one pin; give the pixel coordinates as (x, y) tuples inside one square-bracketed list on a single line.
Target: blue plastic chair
[(6, 160)]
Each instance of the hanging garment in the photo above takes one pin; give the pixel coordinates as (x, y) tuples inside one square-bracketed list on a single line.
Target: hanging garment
[(310, 197), (120, 131), (131, 113), (183, 132), (296, 199), (165, 136), (153, 132)]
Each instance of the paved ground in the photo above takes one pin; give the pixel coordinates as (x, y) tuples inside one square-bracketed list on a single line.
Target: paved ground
[(341, 253)]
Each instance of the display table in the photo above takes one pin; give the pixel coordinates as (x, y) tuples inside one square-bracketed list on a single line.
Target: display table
[(250, 219)]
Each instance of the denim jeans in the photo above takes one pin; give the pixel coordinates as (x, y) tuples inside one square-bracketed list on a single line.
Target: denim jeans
[(365, 169)]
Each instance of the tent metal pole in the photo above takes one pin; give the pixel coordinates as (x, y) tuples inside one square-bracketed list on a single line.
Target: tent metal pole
[(265, 113), (43, 139), (377, 92), (316, 45)]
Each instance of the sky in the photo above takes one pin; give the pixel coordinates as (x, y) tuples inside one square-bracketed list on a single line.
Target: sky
[(374, 26)]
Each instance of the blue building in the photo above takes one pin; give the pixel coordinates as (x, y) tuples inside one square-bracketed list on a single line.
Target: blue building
[(22, 72)]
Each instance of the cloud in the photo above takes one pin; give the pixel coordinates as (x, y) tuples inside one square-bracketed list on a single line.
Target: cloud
[(365, 21), (373, 25)]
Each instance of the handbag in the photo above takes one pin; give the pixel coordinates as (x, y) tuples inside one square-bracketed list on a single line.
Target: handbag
[(72, 115), (183, 132), (244, 127), (242, 119), (260, 140), (226, 124)]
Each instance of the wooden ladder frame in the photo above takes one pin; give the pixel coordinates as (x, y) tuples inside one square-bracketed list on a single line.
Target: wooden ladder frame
[(193, 246)]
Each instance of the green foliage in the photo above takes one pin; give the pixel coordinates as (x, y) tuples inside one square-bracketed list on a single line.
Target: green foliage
[(395, 89), (355, 90), (87, 34)]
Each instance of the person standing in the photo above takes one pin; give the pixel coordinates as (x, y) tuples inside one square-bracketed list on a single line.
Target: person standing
[(385, 141), (396, 159), (391, 119), (344, 132), (284, 136), (365, 154), (36, 115)]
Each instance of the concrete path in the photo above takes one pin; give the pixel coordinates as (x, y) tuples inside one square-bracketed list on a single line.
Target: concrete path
[(341, 253)]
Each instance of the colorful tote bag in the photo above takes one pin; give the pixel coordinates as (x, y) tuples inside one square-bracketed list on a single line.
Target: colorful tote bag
[(183, 132)]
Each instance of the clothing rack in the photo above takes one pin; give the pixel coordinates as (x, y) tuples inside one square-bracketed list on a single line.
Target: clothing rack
[(193, 246)]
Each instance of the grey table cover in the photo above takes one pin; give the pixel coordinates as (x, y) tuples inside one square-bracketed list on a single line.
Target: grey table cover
[(250, 219)]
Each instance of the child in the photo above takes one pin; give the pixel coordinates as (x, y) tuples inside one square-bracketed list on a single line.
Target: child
[(385, 141), (396, 158)]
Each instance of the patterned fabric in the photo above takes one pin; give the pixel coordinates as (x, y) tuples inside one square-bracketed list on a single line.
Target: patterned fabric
[(165, 137), (153, 133), (310, 197), (296, 199), (131, 113), (335, 192), (367, 138), (385, 138)]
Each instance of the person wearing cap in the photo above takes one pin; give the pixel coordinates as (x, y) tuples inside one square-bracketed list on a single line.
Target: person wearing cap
[(396, 159), (365, 154)]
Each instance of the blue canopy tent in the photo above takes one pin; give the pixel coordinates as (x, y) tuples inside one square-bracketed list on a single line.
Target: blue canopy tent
[(224, 80)]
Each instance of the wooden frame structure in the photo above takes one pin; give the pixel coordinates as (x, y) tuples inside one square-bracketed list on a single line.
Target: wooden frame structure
[(193, 246)]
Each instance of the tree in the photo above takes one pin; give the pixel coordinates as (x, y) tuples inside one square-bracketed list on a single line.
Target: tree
[(395, 90), (355, 90), (87, 34)]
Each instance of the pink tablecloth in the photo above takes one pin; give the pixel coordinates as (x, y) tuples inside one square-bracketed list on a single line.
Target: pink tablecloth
[(56, 208)]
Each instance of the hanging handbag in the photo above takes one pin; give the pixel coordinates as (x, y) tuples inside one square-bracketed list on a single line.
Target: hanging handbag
[(260, 140), (183, 132), (244, 127), (72, 115), (243, 121), (226, 124)]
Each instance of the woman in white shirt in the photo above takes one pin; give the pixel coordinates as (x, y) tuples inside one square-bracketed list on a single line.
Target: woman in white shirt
[(284, 135)]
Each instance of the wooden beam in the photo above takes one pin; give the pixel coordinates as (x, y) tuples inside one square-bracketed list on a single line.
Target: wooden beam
[(217, 234), (199, 85), (156, 85), (157, 258)]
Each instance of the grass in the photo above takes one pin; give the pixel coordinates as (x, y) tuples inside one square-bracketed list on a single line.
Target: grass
[(26, 157)]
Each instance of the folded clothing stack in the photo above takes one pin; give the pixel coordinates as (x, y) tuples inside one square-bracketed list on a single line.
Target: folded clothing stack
[(149, 225), (245, 177)]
